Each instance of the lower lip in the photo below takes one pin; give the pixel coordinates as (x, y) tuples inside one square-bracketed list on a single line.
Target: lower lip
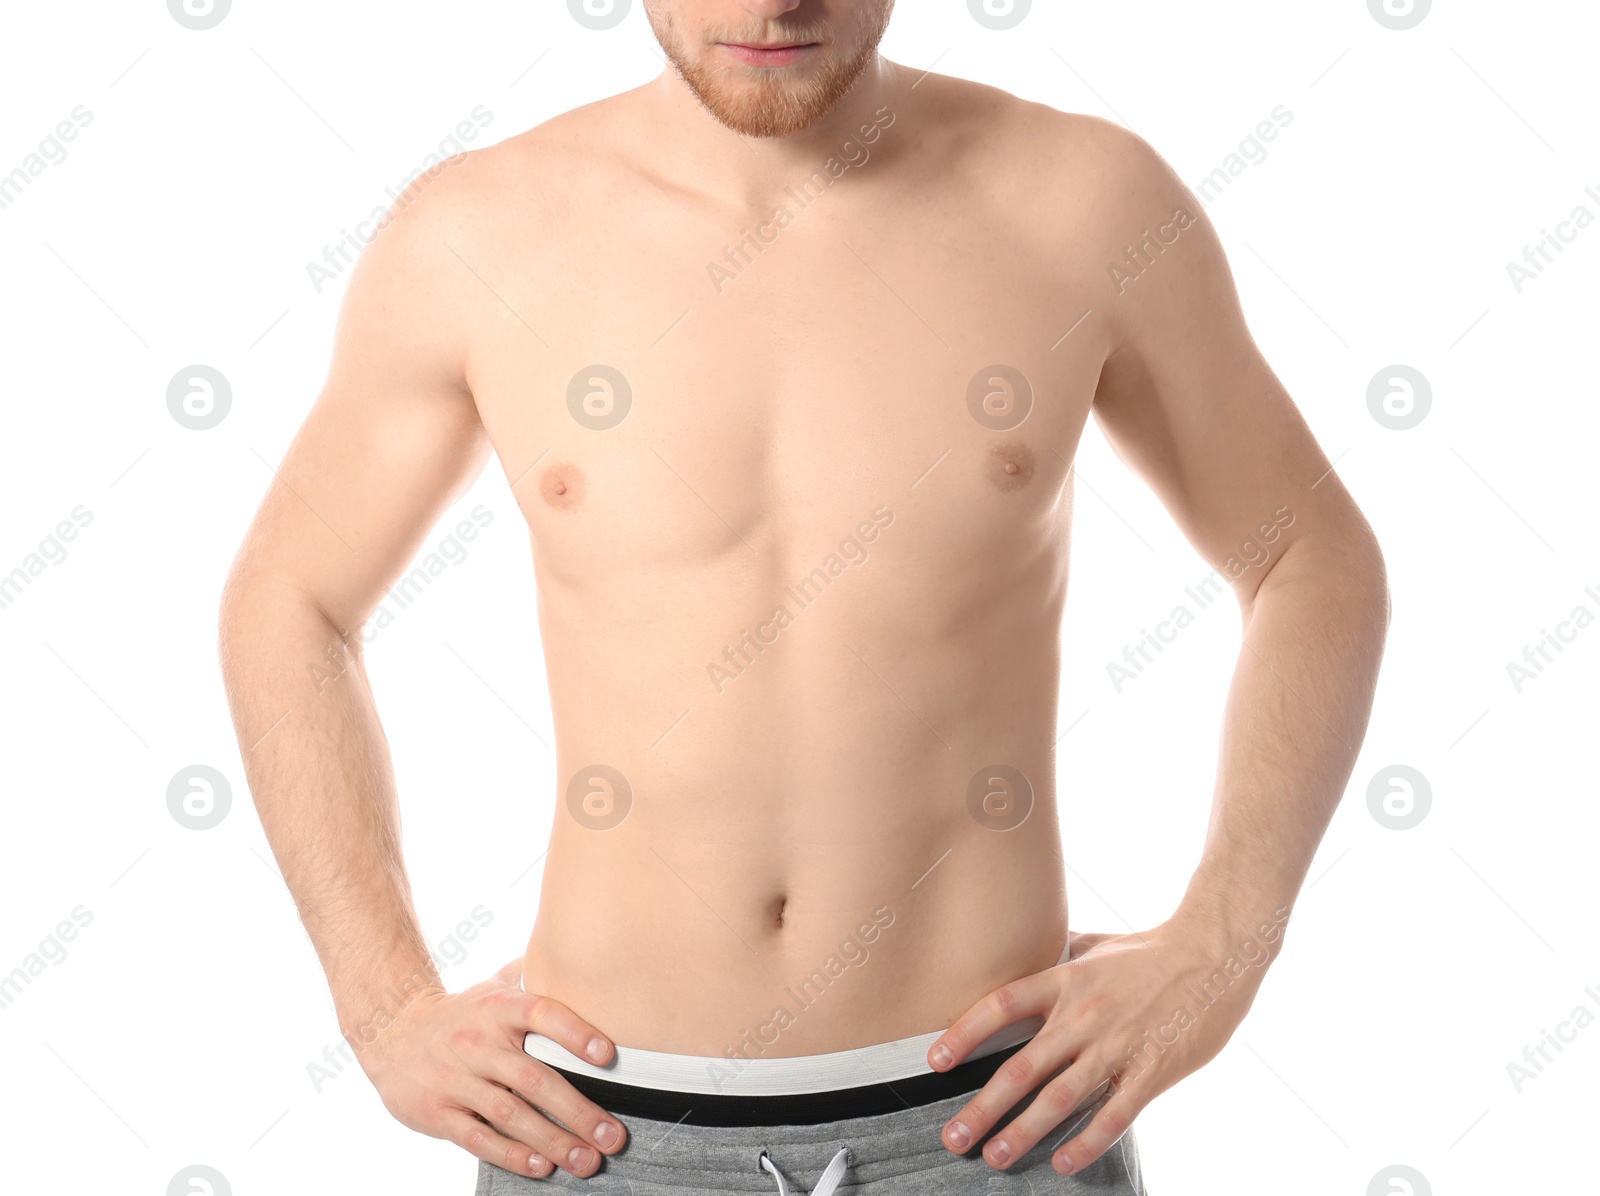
[(777, 56)]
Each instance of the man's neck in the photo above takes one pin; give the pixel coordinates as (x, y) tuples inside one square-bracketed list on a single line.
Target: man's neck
[(691, 145)]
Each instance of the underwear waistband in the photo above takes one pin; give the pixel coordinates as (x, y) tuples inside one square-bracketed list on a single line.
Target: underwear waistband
[(831, 1106), (738, 1076)]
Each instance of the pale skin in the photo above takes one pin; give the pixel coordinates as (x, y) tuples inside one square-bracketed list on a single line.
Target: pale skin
[(787, 790)]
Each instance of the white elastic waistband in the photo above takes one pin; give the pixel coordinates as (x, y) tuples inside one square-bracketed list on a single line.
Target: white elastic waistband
[(879, 1063)]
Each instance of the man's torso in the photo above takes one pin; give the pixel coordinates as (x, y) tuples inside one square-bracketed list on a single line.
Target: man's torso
[(800, 604)]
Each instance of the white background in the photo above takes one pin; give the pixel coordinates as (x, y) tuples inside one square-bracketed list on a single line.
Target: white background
[(218, 164)]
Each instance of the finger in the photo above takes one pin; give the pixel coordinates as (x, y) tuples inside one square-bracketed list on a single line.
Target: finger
[(1109, 1124), (476, 1138), (1028, 997), (545, 1088), (550, 1017), (512, 972), (1016, 1077), (1058, 1102), (512, 1116), (479, 1057)]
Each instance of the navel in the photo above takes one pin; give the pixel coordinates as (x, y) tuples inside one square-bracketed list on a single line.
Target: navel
[(1009, 465), (562, 487)]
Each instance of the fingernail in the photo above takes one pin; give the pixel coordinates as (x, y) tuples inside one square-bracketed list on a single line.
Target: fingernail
[(535, 1162), (942, 1056), (999, 1151), (1064, 1163), (959, 1135), (597, 1049), (605, 1134), (580, 1157)]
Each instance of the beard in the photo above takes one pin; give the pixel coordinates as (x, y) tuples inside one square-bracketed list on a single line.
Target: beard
[(773, 101)]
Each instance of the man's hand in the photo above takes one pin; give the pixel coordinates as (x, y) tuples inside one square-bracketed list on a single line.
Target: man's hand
[(452, 1066), (1139, 1010)]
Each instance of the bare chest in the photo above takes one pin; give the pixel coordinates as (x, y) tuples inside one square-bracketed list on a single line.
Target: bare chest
[(667, 392)]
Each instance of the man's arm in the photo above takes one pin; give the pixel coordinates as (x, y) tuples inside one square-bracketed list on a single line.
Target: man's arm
[(392, 440), (1187, 401)]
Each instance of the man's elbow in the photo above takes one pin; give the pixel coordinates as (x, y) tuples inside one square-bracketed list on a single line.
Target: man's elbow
[(1343, 567), (262, 611), (242, 607), (1360, 562)]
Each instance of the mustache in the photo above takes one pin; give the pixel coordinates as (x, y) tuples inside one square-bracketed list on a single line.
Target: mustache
[(773, 31)]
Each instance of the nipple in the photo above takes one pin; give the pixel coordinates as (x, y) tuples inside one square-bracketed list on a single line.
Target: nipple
[(1010, 466), (562, 487)]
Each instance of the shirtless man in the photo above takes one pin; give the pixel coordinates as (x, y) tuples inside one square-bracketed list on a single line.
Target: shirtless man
[(786, 356)]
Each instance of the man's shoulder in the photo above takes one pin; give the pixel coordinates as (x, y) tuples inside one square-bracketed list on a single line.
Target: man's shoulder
[(1064, 172), (1032, 130), (533, 172)]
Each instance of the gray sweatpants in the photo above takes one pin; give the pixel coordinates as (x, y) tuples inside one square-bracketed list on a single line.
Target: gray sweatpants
[(893, 1154)]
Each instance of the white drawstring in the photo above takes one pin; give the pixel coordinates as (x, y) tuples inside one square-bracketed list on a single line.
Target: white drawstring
[(827, 1183)]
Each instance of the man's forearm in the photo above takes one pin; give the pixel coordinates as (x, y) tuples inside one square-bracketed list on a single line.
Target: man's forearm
[(1295, 717), (319, 770)]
